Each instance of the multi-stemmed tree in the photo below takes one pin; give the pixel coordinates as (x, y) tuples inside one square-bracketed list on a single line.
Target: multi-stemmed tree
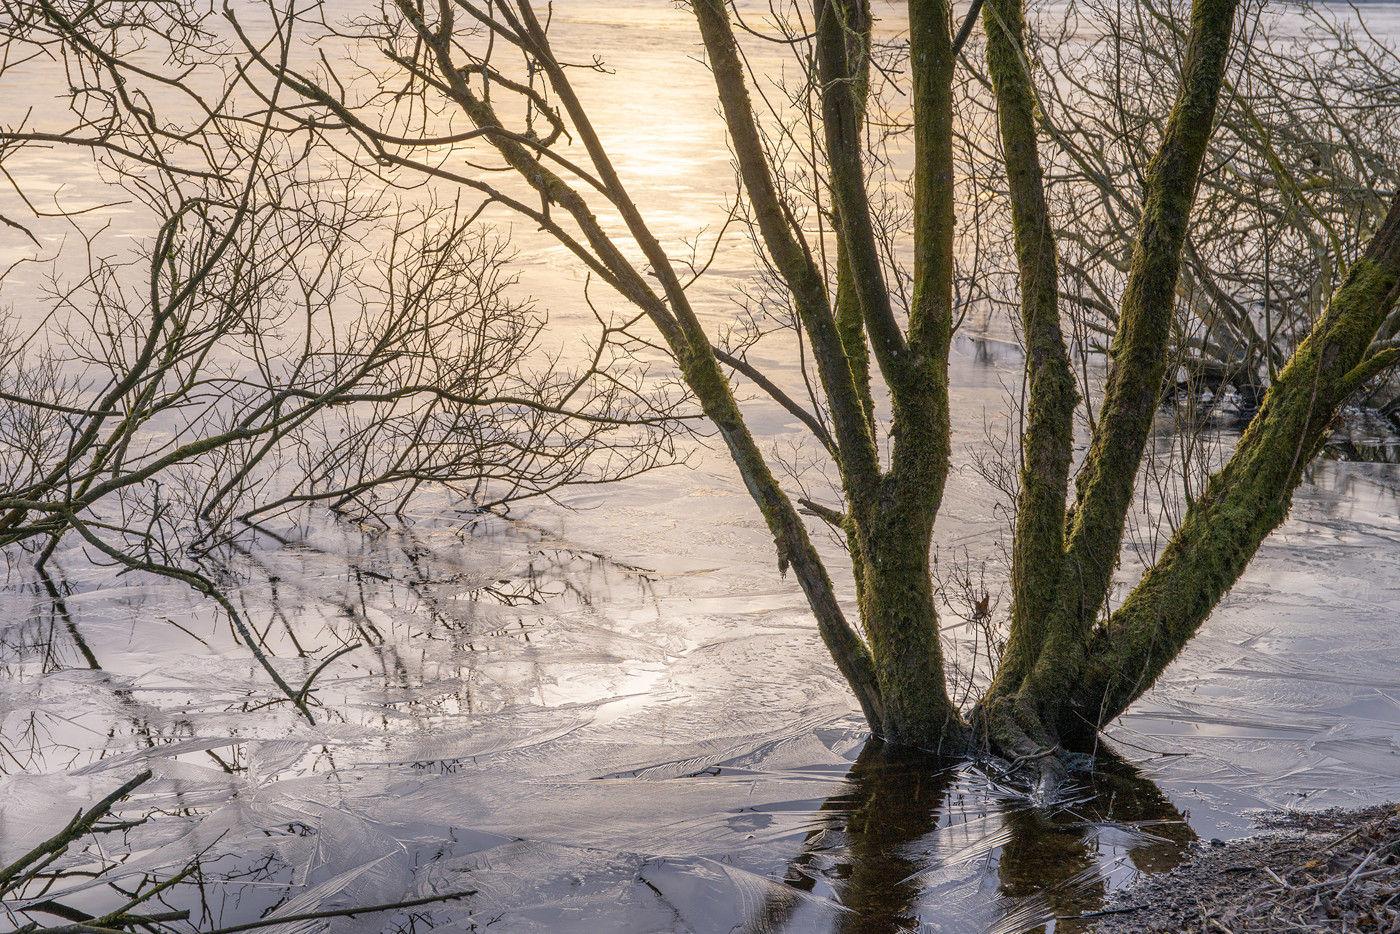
[(484, 75), (1070, 664)]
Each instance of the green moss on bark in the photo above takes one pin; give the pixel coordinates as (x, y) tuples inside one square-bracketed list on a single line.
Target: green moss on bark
[(1139, 350), (1241, 505), (901, 622), (1038, 549)]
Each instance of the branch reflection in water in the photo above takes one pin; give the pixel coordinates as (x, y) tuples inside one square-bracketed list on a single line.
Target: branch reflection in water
[(711, 800), (922, 843)]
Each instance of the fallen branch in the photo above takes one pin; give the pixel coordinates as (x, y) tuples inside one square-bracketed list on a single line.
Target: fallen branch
[(334, 913), (79, 825)]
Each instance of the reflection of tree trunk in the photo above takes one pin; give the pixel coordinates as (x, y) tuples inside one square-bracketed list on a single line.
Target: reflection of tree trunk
[(897, 796), (1050, 857), (1054, 852), (1129, 797)]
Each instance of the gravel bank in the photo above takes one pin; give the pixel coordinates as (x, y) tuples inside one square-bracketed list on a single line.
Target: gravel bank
[(1335, 870)]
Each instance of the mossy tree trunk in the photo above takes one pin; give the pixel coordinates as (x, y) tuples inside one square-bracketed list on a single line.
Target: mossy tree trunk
[(890, 510), (1066, 674), (1245, 500), (1047, 442), (1064, 568)]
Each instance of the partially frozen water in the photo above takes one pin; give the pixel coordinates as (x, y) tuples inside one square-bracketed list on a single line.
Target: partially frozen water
[(621, 719), (618, 717)]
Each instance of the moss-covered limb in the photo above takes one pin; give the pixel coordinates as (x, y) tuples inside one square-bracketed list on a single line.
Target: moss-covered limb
[(853, 548), (842, 125), (858, 19), (920, 427), (890, 559), (920, 431), (1038, 550), (901, 622), (1246, 499), (790, 538), (931, 64), (844, 378), (683, 333), (890, 545), (915, 370), (1106, 482), (850, 321)]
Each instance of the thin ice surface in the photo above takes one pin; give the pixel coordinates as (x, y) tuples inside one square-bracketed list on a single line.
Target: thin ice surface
[(589, 744), (621, 718)]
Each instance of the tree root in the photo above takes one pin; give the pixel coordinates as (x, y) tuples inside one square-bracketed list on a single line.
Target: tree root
[(1015, 747)]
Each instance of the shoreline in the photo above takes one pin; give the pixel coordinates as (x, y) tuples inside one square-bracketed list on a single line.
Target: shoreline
[(1333, 870)]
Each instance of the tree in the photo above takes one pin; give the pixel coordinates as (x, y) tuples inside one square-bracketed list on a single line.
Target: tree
[(460, 73), (1065, 672)]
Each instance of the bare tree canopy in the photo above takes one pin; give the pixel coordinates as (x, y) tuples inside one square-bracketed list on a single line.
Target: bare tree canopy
[(274, 334), (1134, 179)]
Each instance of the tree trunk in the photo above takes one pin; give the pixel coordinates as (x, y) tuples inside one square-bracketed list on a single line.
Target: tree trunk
[(901, 622), (1060, 586), (1248, 498)]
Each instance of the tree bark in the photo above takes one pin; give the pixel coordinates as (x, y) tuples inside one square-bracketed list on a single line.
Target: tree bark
[(1106, 482), (1046, 445), (1025, 707), (1248, 498)]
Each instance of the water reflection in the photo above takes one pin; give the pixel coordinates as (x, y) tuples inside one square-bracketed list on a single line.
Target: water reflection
[(582, 739), (897, 797), (489, 738), (917, 841), (1070, 858), (909, 842), (1385, 451)]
